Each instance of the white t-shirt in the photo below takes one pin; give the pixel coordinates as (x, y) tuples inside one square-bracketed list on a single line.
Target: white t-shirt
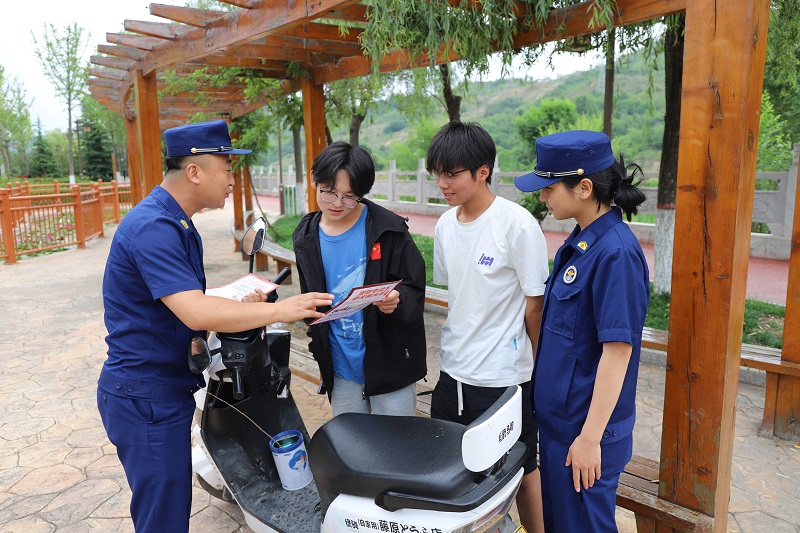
[(489, 265)]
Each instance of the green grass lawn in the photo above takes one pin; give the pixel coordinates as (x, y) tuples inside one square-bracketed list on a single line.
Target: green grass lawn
[(763, 322)]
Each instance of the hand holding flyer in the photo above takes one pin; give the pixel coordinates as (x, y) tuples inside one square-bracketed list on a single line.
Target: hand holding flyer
[(242, 287), (359, 298)]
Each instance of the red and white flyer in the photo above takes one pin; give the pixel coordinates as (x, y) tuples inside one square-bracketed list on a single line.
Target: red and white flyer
[(358, 299), (240, 288)]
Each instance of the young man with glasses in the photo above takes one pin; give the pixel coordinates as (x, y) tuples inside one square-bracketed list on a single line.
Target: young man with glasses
[(370, 361), (492, 255)]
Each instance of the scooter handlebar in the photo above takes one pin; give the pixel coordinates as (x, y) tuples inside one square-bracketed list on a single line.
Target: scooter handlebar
[(282, 275)]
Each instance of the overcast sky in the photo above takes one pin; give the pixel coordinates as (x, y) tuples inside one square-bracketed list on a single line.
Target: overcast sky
[(98, 17)]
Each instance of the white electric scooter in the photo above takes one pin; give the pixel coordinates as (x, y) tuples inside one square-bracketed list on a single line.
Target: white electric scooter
[(370, 472)]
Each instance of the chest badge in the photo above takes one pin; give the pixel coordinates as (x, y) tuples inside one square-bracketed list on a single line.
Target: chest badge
[(570, 274), (184, 224), (583, 246), (376, 252)]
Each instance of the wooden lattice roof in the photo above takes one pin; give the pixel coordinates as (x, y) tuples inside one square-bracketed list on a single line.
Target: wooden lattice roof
[(321, 37)]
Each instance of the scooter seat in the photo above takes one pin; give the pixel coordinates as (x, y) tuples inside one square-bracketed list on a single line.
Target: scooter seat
[(368, 455)]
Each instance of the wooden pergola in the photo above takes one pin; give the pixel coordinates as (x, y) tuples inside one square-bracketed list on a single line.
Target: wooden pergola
[(725, 47)]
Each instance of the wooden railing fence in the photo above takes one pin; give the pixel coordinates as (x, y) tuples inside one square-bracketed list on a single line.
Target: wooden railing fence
[(39, 217)]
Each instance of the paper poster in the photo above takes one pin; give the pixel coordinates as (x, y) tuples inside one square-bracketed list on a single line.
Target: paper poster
[(359, 298), (242, 287)]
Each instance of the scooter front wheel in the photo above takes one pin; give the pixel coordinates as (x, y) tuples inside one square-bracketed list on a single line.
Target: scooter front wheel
[(223, 494)]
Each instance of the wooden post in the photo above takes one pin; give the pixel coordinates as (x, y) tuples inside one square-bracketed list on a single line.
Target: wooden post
[(7, 227), (98, 210), (314, 125), (115, 190), (77, 205), (148, 133), (56, 187), (716, 177), (134, 163), (785, 390)]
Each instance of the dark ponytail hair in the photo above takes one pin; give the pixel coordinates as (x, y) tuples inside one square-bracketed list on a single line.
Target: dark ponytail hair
[(615, 186)]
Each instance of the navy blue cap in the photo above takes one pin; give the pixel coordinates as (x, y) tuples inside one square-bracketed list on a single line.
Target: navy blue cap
[(201, 138), (565, 154)]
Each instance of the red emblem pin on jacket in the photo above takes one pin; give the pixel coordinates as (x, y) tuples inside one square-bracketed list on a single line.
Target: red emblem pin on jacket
[(376, 251)]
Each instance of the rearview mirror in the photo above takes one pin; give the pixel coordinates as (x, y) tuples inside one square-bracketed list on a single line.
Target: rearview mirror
[(199, 355), (253, 238)]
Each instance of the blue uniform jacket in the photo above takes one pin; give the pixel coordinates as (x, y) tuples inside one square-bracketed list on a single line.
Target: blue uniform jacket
[(156, 252), (598, 292)]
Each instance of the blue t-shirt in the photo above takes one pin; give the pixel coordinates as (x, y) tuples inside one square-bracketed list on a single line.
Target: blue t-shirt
[(345, 259)]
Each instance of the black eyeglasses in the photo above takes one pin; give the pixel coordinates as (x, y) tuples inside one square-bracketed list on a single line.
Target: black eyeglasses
[(448, 177), (346, 201)]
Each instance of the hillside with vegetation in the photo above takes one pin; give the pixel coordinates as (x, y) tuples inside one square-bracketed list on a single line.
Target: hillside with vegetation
[(497, 105)]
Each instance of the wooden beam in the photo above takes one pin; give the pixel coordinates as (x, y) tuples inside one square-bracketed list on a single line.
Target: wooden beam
[(575, 20), (279, 52), (106, 83), (352, 13), (243, 4), (241, 27), (109, 74), (125, 52), (148, 133), (716, 177), (244, 62), (112, 62), (199, 18), (314, 126), (147, 44), (321, 32), (159, 30), (561, 23)]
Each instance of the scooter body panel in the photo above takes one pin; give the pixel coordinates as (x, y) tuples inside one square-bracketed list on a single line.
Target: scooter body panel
[(349, 514)]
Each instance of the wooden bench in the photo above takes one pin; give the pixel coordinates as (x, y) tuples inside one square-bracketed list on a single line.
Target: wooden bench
[(753, 356), (638, 492)]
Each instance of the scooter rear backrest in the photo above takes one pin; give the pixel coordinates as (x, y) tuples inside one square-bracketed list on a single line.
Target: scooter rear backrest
[(492, 434)]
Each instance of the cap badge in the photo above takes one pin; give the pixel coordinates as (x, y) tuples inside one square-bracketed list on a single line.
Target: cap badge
[(184, 224), (583, 246), (579, 172), (570, 274)]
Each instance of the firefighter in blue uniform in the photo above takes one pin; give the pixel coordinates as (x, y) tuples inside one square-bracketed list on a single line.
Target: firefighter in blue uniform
[(584, 378), (153, 294)]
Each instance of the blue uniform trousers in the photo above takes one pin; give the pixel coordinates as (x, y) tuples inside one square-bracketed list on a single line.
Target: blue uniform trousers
[(587, 511), (153, 441)]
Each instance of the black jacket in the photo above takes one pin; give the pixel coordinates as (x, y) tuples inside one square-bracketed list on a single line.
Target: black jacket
[(395, 343)]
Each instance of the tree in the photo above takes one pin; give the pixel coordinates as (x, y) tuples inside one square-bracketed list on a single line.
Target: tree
[(774, 147), (549, 116), (668, 170), (97, 150), (43, 162), (60, 54), (782, 67), (112, 125), (349, 101), (16, 131)]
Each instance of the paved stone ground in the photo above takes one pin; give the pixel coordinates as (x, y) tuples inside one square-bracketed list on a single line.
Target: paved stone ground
[(58, 472)]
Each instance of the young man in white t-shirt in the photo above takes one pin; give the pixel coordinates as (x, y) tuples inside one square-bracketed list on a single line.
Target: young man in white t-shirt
[(492, 255)]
